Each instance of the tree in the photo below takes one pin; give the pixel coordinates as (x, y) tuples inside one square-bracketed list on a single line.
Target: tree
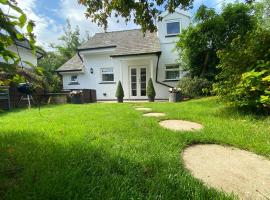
[(244, 66), (151, 93), (143, 12), (198, 45), (9, 34), (119, 92), (69, 43)]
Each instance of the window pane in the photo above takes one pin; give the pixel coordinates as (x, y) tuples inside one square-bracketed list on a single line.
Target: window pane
[(143, 92), (172, 75), (134, 92), (133, 72), (107, 77), (73, 78), (173, 28), (133, 79)]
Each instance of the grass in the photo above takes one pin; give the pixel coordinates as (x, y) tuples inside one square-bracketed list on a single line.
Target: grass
[(110, 151)]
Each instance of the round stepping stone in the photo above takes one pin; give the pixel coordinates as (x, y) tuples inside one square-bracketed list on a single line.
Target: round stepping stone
[(180, 125), (245, 174), (154, 114), (143, 109)]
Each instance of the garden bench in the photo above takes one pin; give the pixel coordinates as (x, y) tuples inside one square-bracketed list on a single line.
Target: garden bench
[(4, 95)]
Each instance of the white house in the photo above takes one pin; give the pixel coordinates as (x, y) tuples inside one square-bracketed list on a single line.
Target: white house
[(131, 57), (24, 51)]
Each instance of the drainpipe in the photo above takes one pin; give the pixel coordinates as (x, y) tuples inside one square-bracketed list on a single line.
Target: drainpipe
[(158, 55), (78, 53)]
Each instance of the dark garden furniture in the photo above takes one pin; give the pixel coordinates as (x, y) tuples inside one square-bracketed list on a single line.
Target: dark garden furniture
[(4, 95)]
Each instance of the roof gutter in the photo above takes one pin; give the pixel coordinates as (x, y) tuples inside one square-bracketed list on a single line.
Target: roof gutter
[(96, 48), (136, 54), (72, 70), (158, 55)]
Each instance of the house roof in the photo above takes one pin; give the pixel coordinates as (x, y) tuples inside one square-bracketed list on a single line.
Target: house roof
[(73, 64), (25, 44), (128, 42)]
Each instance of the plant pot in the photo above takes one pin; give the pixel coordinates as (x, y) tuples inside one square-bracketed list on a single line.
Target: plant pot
[(151, 99), (174, 97), (76, 99), (120, 99)]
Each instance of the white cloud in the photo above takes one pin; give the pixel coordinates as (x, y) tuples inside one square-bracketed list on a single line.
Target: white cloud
[(46, 28), (75, 13)]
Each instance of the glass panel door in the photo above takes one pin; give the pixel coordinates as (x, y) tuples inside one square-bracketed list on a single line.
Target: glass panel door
[(133, 81), (143, 81)]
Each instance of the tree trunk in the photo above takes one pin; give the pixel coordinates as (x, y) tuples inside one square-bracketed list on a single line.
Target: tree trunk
[(205, 64)]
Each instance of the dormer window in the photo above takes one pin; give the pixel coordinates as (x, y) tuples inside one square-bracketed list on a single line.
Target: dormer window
[(173, 28)]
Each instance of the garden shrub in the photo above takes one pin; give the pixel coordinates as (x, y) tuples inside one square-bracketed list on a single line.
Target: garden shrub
[(119, 91), (150, 89), (253, 90), (194, 87)]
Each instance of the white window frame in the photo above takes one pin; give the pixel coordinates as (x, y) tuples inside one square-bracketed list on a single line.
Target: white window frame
[(101, 73), (174, 69), (173, 21)]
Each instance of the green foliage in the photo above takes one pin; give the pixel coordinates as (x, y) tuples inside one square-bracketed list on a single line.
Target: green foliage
[(253, 90), (198, 45), (144, 12), (194, 87), (119, 91), (69, 43), (241, 80), (9, 25), (150, 91)]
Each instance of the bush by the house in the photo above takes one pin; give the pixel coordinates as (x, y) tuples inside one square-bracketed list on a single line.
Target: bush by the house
[(119, 92), (194, 87), (151, 93), (253, 90)]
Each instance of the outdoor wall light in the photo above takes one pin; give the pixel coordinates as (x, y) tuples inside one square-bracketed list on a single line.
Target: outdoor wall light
[(91, 70)]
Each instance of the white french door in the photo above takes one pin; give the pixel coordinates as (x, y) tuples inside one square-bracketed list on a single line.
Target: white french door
[(138, 81)]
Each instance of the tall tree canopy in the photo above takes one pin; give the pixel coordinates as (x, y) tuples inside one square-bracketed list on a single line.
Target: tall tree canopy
[(198, 45), (143, 12), (66, 49), (244, 78)]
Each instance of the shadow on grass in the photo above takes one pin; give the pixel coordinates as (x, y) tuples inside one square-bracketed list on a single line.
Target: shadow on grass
[(45, 168), (237, 112)]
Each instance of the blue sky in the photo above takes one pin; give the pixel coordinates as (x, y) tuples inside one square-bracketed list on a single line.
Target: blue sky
[(51, 15)]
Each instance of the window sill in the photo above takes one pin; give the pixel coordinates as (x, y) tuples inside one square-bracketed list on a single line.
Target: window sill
[(171, 80), (74, 83), (109, 82), (173, 35)]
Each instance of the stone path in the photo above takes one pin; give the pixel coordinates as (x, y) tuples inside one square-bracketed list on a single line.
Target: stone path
[(143, 109), (230, 169), (180, 125), (154, 114)]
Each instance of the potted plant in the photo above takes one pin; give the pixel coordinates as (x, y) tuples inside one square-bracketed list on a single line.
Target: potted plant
[(76, 96), (151, 93), (174, 94), (119, 93)]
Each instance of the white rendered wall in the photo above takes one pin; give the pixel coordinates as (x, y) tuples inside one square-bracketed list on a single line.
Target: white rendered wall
[(25, 54), (121, 66)]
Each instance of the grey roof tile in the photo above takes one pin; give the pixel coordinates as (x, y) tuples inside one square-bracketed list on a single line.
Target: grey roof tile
[(74, 64), (127, 42)]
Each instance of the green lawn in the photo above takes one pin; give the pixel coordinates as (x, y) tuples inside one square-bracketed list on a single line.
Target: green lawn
[(110, 151)]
